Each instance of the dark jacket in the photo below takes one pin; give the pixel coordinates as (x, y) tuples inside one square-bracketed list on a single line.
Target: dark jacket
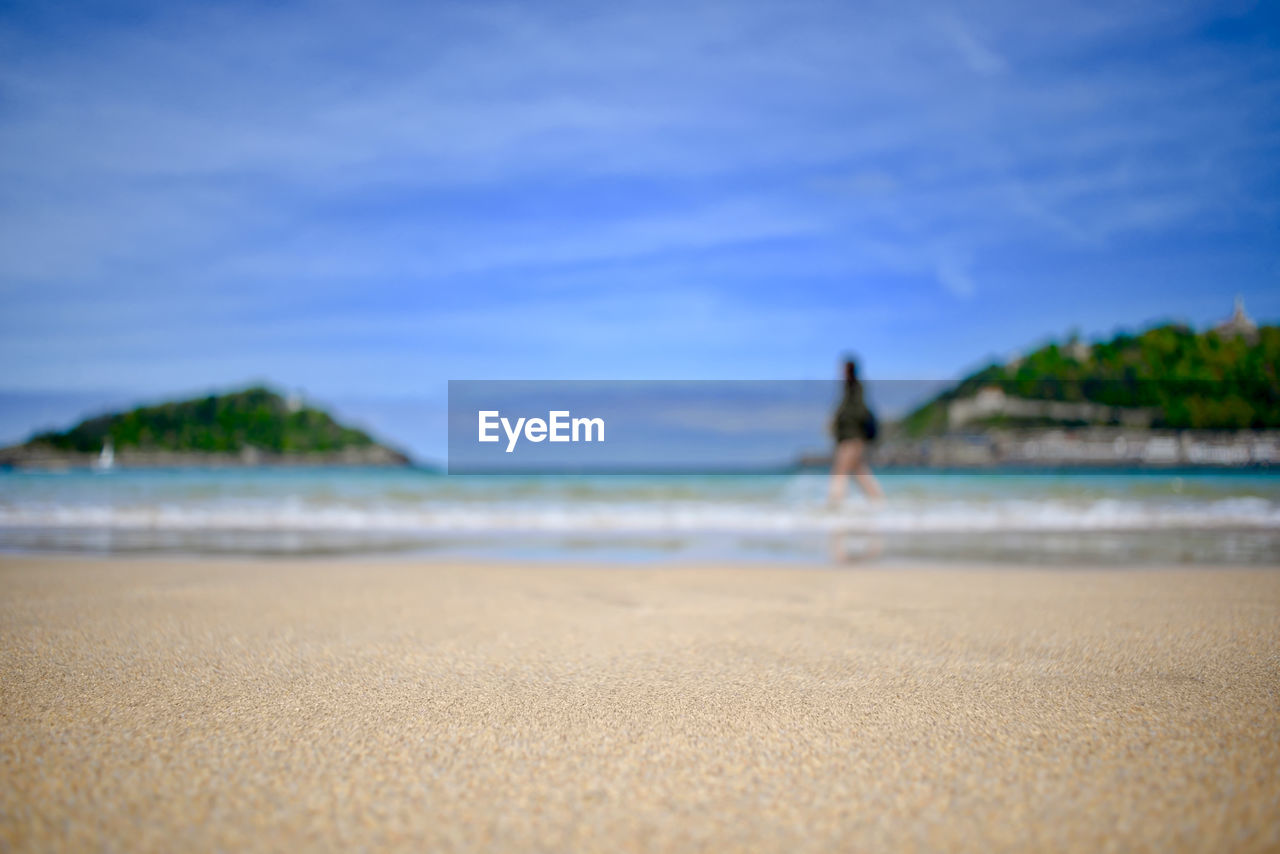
[(853, 418)]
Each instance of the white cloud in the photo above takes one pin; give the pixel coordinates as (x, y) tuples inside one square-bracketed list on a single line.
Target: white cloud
[(955, 276), (979, 57)]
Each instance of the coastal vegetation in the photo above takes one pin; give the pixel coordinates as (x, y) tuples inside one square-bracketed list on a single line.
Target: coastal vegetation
[(255, 418), (1214, 380)]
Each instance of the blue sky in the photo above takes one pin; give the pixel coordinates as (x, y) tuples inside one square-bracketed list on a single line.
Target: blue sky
[(365, 200)]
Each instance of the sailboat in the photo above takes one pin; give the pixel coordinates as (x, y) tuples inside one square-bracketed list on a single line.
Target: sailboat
[(107, 459)]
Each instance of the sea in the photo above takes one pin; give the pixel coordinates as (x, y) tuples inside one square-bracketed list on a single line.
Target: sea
[(1069, 518)]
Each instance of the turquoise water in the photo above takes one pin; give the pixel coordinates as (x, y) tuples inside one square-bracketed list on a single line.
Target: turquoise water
[(1094, 517)]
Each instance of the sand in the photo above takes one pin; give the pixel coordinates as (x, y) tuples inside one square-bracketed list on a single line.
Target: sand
[(157, 705)]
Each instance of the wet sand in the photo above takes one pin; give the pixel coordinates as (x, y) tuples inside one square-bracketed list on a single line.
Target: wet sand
[(167, 705)]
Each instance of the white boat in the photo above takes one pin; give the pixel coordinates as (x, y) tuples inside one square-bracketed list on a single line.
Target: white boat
[(107, 459)]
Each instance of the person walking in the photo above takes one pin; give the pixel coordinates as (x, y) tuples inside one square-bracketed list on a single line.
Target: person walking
[(854, 426)]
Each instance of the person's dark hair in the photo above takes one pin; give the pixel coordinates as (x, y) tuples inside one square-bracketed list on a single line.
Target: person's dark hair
[(850, 373)]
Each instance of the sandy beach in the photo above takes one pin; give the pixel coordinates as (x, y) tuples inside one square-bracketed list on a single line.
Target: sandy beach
[(199, 705)]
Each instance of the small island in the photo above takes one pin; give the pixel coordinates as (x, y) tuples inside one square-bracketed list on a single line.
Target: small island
[(1227, 378), (253, 427), (1165, 397)]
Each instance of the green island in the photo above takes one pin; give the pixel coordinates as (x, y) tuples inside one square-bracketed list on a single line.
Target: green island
[(1167, 377), (253, 426)]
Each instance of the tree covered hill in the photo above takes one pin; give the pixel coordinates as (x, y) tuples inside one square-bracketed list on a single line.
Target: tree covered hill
[(256, 418), (1208, 380)]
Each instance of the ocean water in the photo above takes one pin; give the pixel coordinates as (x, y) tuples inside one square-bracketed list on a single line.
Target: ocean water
[(1064, 518)]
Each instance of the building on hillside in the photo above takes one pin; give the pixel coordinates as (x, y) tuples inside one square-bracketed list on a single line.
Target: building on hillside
[(992, 402), (1079, 350), (1238, 324)]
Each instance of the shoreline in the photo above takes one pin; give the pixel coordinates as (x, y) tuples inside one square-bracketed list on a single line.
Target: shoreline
[(206, 703), (587, 562), (1224, 547)]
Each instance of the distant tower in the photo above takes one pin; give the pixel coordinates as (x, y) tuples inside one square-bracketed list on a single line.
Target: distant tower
[(1239, 324), (294, 401), (1078, 350)]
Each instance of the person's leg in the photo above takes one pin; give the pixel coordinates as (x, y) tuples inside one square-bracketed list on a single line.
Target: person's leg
[(842, 464), (867, 480)]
